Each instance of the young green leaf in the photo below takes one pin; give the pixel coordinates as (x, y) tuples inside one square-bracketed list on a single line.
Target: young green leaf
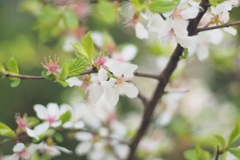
[(235, 152), (185, 54), (45, 74), (190, 154), (32, 121), (12, 66), (58, 137), (63, 74), (235, 142), (6, 131), (233, 134), (70, 19), (106, 12), (80, 50), (221, 141), (62, 82), (76, 66), (15, 82), (2, 69), (88, 45), (161, 6), (65, 116)]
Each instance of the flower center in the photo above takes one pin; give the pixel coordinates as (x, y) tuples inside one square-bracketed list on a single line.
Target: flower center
[(51, 119)]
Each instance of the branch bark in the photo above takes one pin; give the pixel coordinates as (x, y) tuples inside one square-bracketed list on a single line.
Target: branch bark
[(217, 27), (163, 80)]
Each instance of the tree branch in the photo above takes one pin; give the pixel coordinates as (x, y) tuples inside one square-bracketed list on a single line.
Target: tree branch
[(163, 80), (218, 153), (24, 77), (217, 27), (146, 75)]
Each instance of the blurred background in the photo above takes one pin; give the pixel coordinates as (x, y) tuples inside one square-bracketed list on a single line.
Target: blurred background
[(210, 105)]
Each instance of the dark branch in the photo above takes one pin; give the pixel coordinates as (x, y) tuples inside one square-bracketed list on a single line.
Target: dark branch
[(11, 75), (163, 80), (218, 153), (217, 27), (146, 75)]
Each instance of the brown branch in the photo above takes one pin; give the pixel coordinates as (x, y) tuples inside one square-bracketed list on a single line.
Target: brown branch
[(146, 75), (217, 27), (24, 77), (218, 153), (143, 99), (163, 80)]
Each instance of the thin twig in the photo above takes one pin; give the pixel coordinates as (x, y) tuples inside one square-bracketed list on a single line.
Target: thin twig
[(217, 27), (142, 98), (163, 80), (146, 75), (24, 77), (218, 153)]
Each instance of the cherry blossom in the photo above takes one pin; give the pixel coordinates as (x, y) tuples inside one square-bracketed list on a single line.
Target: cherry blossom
[(51, 150), (23, 125), (20, 152), (49, 115), (77, 112), (52, 66)]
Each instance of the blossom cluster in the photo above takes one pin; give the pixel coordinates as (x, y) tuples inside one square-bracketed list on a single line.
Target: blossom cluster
[(104, 72)]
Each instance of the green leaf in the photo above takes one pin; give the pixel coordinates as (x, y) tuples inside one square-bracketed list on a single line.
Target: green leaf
[(65, 116), (215, 2), (80, 50), (15, 82), (106, 11), (88, 45), (202, 154), (2, 69), (63, 74), (233, 134), (45, 74), (87, 48), (161, 6), (58, 137), (12, 66), (235, 152), (136, 4), (221, 141), (62, 82), (6, 131), (70, 19), (190, 154), (185, 54), (235, 142), (32, 121), (76, 66)]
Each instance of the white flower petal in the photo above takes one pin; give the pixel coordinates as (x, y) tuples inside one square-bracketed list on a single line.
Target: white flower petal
[(180, 28), (190, 12), (130, 90), (129, 71), (18, 147), (121, 150), (102, 74), (141, 32), (41, 111), (41, 128), (31, 133), (56, 124), (53, 109), (83, 148), (231, 30), (83, 136), (74, 81), (128, 52)]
